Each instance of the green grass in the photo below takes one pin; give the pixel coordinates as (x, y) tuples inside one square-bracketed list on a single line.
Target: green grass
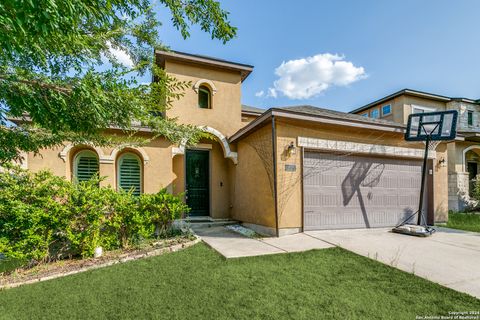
[(464, 221), (197, 283)]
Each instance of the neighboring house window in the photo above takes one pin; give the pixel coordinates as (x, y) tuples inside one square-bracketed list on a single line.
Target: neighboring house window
[(85, 165), (204, 97), (129, 173), (386, 110), (420, 109), (374, 113), (365, 115), (470, 118)]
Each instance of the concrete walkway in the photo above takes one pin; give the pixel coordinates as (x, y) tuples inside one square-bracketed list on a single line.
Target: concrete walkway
[(234, 245), (449, 257)]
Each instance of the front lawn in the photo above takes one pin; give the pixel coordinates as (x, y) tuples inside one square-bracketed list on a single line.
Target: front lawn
[(464, 221), (197, 283)]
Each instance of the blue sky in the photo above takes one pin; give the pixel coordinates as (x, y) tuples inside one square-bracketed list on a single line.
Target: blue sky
[(359, 50)]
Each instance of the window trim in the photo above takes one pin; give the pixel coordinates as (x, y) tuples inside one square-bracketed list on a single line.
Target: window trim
[(389, 112), (378, 112), (76, 160), (365, 114), (425, 109), (117, 169), (204, 88), (470, 117)]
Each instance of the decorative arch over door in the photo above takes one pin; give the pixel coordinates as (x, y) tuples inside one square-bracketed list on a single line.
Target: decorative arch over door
[(228, 153)]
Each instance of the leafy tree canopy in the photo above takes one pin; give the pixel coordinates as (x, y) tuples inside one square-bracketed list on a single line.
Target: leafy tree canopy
[(53, 73)]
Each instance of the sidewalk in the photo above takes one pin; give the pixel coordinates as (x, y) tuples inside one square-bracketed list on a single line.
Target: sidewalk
[(233, 245)]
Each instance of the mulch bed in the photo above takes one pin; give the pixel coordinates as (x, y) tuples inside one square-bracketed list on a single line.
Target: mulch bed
[(63, 268)]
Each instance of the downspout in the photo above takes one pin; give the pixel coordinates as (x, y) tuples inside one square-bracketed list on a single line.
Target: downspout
[(274, 153)]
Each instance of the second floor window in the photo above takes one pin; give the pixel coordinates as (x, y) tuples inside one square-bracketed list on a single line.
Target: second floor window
[(374, 114), (470, 118), (204, 98), (421, 109), (386, 110)]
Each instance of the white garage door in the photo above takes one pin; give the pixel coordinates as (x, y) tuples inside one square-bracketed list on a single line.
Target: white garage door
[(346, 191)]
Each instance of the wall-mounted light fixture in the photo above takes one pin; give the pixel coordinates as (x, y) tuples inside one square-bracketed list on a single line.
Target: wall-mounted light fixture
[(291, 149), (442, 162)]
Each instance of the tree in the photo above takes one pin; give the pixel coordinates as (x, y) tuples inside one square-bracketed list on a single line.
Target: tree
[(59, 74)]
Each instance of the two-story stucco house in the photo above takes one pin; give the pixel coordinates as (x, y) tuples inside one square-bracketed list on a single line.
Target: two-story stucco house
[(463, 154), (279, 171)]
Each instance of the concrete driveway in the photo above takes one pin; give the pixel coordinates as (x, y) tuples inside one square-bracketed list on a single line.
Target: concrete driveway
[(449, 257)]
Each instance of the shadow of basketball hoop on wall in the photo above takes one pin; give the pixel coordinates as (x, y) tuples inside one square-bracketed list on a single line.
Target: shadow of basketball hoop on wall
[(362, 174)]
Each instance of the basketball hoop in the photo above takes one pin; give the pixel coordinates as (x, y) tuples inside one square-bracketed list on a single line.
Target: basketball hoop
[(431, 128), (432, 146)]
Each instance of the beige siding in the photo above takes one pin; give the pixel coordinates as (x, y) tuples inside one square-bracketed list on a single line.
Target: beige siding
[(157, 172), (225, 114), (253, 185)]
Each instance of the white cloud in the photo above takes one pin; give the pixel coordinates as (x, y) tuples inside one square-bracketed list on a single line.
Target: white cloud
[(308, 77), (259, 94), (122, 56), (272, 93)]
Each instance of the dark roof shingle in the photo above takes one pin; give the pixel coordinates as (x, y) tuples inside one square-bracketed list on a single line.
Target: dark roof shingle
[(311, 110), (251, 109)]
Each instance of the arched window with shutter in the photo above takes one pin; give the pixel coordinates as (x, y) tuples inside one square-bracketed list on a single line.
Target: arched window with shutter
[(85, 165), (129, 173)]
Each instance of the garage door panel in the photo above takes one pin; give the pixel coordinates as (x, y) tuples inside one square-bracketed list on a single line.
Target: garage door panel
[(358, 191)]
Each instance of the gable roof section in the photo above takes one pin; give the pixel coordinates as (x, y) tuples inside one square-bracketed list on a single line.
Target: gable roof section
[(319, 115), (414, 93), (162, 56)]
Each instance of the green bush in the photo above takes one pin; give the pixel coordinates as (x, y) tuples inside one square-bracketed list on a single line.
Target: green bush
[(476, 189), (44, 217)]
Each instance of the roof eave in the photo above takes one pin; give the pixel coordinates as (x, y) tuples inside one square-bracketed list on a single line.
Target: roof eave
[(244, 69), (410, 92), (313, 118)]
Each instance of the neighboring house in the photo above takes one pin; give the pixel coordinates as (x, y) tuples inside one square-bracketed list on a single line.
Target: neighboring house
[(279, 171), (463, 159)]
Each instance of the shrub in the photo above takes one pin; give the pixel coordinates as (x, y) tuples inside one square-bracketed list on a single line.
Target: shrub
[(162, 209), (44, 217), (476, 189)]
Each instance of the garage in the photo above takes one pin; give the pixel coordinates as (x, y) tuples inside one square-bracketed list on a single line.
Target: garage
[(358, 191)]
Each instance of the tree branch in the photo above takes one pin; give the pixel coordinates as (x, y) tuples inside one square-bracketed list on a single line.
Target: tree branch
[(38, 84)]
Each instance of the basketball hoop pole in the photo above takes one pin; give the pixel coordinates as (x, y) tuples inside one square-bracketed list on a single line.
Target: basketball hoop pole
[(429, 126), (424, 177)]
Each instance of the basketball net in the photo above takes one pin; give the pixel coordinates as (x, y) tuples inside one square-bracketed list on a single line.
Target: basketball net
[(432, 145)]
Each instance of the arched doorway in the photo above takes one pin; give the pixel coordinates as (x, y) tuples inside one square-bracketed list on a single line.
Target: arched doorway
[(472, 167)]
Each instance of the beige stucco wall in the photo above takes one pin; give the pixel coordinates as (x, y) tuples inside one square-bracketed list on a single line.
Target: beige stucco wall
[(253, 183), (225, 114), (289, 183), (48, 159), (157, 172)]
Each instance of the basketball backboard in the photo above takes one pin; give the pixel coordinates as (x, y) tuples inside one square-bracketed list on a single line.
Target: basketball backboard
[(439, 125)]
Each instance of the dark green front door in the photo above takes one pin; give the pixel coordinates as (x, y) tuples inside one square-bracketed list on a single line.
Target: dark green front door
[(197, 182)]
